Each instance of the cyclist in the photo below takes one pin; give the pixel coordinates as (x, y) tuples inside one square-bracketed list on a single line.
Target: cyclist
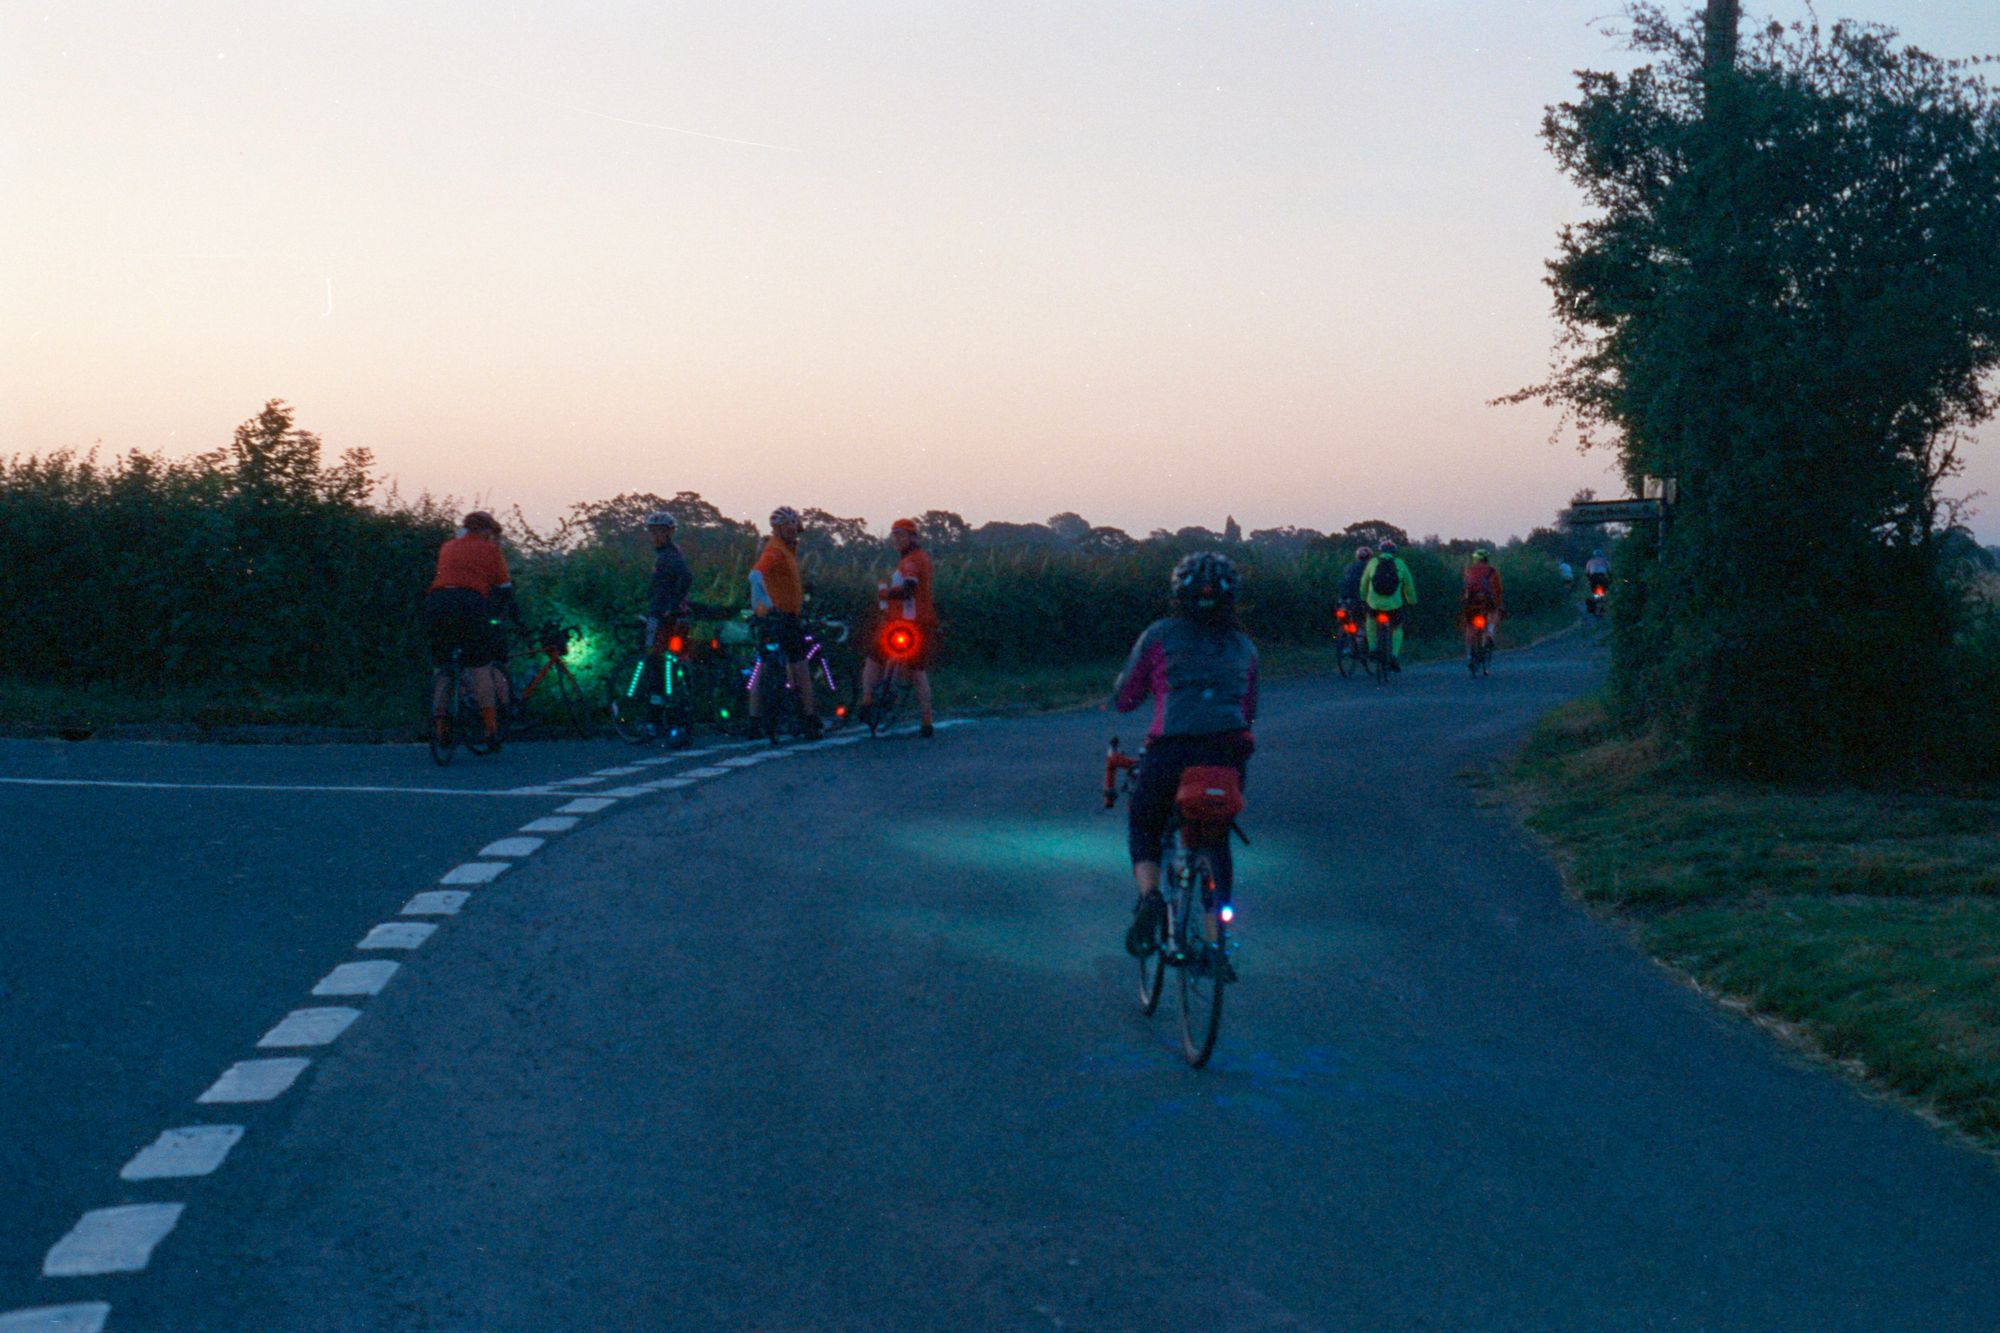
[(905, 596), (471, 583), (778, 601), (666, 609), (1200, 670), (1387, 587), (1482, 593), (1350, 580), (1597, 573)]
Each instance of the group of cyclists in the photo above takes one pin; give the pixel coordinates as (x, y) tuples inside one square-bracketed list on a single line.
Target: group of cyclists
[(471, 592), (1377, 589)]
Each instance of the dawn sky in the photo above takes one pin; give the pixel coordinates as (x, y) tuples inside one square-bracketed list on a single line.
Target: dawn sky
[(1152, 262)]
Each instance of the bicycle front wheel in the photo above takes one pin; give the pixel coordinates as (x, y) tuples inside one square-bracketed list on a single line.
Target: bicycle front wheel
[(1205, 969), (1153, 967), (569, 702), (625, 701)]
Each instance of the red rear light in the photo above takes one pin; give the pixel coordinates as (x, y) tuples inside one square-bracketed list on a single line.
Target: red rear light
[(841, 711), (1381, 617), (1479, 622), (677, 645), (900, 641), (715, 645)]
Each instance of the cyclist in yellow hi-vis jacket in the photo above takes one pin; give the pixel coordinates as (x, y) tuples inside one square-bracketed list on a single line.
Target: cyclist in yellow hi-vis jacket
[(1386, 585)]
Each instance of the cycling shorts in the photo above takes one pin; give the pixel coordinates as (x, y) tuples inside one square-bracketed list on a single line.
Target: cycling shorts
[(458, 619), (788, 630)]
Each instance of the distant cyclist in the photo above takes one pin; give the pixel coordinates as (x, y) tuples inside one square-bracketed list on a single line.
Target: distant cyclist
[(471, 584), (1388, 588), (1597, 574), (905, 596), (666, 605), (1350, 580), (778, 601), (1200, 670), (1482, 596)]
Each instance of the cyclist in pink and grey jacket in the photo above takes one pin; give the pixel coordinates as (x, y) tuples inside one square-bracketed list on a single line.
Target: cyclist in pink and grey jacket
[(1200, 670)]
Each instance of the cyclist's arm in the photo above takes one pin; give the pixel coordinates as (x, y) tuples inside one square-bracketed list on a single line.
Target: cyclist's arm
[(1136, 681), (760, 596), (1409, 584), (1250, 696)]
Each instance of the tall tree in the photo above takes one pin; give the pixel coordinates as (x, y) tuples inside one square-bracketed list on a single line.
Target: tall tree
[(1788, 299)]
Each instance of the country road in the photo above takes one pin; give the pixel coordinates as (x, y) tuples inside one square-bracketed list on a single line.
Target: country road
[(842, 1037)]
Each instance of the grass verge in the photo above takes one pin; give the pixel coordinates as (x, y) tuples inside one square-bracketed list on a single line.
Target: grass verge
[(1863, 924)]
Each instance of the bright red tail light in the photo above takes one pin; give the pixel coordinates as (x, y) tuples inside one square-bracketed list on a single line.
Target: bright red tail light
[(1479, 622), (1381, 617), (715, 645), (899, 641), (677, 645), (841, 711)]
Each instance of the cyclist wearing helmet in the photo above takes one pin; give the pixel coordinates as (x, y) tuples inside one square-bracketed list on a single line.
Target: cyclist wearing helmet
[(1200, 670), (777, 599), (1387, 588), (905, 596), (666, 608), (471, 583), (1350, 583), (1482, 593)]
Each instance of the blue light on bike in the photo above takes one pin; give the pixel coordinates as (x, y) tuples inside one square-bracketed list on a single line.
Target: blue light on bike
[(1228, 915)]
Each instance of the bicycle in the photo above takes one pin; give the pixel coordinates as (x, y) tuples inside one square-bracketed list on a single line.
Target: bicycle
[(1350, 644), (767, 681), (1477, 617), (551, 642), (899, 644), (663, 711), (1205, 810), (1382, 658), (459, 716)]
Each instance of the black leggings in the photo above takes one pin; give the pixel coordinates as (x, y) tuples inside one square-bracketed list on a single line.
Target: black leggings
[(1160, 771)]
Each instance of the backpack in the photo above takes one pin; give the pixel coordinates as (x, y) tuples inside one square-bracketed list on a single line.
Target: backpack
[(1388, 577)]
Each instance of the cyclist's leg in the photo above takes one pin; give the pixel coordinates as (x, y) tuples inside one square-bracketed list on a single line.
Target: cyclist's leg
[(920, 681), (1396, 637), (871, 678), (1147, 815)]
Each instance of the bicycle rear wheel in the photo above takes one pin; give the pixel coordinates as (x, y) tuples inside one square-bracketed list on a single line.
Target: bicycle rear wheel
[(442, 728), (569, 703), (1204, 970), (1343, 657), (625, 701), (1153, 967), (471, 727)]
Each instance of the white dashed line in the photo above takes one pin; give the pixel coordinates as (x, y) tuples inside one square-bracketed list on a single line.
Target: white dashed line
[(669, 784), (740, 761), (551, 824), (656, 760), (624, 772), (589, 805), (475, 872), (577, 782), (512, 847), (357, 978), (397, 935), (437, 902), (83, 1317), (255, 1080), (196, 1150), (112, 1240), (308, 1027), (706, 773), (626, 793)]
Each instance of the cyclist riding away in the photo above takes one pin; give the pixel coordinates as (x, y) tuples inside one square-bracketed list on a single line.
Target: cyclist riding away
[(1350, 580), (1200, 670), (1482, 594), (1387, 588), (1597, 574), (666, 607), (471, 584), (778, 601), (905, 596)]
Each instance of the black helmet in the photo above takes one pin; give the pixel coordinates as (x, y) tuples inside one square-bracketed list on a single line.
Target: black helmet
[(1204, 579)]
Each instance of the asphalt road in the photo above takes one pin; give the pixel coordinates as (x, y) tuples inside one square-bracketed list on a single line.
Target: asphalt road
[(846, 1040)]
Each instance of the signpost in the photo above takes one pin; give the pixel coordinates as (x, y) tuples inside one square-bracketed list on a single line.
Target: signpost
[(1592, 513)]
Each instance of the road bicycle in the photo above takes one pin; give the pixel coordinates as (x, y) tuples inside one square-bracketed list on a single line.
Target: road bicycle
[(1350, 641), (898, 644), (544, 672), (1204, 815), (1382, 658), (1478, 620), (768, 681), (451, 711), (650, 697)]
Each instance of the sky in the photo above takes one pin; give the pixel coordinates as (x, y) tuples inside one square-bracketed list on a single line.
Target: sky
[(1156, 263)]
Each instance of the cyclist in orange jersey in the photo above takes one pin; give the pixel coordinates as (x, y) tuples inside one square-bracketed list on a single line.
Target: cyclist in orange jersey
[(777, 599), (905, 596)]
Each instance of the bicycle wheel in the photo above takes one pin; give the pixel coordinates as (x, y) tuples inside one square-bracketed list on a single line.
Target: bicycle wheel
[(625, 701), (1205, 969), (1153, 967), (1343, 657), (471, 727), (768, 681), (569, 703), (442, 729)]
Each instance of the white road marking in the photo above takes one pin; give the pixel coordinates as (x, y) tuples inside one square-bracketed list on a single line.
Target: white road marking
[(475, 872), (308, 1027), (740, 761), (669, 784), (357, 978), (706, 773), (83, 1317), (112, 1240), (397, 935), (255, 1080), (577, 782), (195, 1150), (271, 786), (588, 805), (438, 902), (625, 772), (512, 847), (626, 793), (656, 760), (551, 824)]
